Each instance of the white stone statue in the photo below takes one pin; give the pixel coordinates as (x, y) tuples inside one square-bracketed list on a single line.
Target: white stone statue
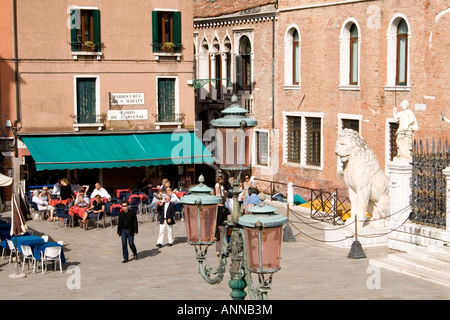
[(367, 184), (405, 133)]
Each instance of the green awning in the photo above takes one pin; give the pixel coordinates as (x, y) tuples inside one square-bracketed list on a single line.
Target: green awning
[(116, 150)]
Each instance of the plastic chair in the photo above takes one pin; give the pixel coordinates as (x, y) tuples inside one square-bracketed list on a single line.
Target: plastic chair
[(45, 238), (101, 218), (27, 254), (12, 249), (62, 212), (60, 242), (42, 213), (114, 212), (51, 254), (135, 205)]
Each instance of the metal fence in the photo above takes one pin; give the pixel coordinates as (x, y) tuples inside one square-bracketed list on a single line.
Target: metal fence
[(428, 185), (325, 205)]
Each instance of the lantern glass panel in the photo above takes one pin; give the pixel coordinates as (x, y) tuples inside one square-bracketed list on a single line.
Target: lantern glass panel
[(234, 144), (271, 248), (208, 219)]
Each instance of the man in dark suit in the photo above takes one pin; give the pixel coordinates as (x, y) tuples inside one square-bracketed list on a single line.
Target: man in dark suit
[(127, 228), (166, 219)]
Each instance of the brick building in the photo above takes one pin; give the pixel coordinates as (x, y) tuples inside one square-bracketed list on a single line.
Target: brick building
[(336, 64)]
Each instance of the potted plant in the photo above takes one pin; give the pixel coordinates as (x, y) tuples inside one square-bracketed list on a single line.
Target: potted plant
[(168, 46), (89, 45)]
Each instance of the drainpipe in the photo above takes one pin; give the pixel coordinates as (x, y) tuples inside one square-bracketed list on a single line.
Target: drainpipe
[(16, 80), (273, 72)]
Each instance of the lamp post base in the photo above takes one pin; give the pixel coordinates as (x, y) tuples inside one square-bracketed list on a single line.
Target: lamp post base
[(356, 251)]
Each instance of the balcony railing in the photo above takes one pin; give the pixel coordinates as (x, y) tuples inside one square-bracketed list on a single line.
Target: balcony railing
[(87, 46), (174, 117), (167, 48)]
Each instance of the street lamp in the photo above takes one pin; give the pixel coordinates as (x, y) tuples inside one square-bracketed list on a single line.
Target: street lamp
[(255, 242)]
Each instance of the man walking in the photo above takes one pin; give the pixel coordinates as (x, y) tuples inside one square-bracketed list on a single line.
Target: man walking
[(167, 219), (127, 228)]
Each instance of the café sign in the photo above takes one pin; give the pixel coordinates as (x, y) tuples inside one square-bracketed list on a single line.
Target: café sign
[(126, 98)]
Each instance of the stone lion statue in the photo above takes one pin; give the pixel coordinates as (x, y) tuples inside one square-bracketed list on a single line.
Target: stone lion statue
[(367, 184)]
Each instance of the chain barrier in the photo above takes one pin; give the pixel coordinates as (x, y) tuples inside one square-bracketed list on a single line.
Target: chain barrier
[(311, 225)]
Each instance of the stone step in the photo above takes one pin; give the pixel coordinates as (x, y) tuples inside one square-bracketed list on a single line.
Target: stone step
[(408, 269), (433, 253), (429, 265)]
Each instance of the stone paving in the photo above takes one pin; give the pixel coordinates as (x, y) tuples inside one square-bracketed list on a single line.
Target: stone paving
[(309, 270)]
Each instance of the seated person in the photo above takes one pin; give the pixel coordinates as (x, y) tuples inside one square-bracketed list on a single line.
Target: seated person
[(97, 207), (43, 204)]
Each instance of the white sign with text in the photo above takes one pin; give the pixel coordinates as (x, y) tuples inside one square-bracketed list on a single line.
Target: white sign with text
[(126, 98), (128, 114)]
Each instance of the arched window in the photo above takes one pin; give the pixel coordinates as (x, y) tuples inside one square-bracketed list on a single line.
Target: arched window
[(398, 73), (402, 53), (295, 58), (243, 65), (349, 55), (292, 58), (353, 55)]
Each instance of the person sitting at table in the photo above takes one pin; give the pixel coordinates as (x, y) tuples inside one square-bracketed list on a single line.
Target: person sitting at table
[(97, 207), (157, 197), (43, 204), (45, 197), (66, 195), (57, 187), (100, 191), (80, 205)]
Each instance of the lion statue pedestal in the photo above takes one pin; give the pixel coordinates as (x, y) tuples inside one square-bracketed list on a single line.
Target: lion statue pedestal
[(368, 186)]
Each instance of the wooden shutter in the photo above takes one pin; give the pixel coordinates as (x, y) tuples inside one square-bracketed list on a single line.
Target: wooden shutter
[(97, 32), (177, 30), (155, 31), (74, 15)]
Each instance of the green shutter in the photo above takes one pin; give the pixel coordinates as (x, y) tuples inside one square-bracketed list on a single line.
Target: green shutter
[(74, 14), (177, 30), (155, 31), (97, 31)]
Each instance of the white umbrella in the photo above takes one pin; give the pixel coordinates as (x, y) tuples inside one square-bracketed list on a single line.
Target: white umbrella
[(5, 180)]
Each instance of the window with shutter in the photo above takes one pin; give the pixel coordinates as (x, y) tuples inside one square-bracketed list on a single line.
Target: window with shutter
[(85, 30), (166, 32)]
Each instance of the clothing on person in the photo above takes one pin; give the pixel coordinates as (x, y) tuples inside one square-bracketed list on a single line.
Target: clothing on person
[(167, 219), (101, 192), (127, 228)]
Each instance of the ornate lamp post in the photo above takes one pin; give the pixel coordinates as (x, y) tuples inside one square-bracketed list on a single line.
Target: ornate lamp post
[(255, 242)]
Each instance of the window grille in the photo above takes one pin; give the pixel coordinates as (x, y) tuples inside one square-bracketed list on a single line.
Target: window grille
[(350, 124), (294, 139), (313, 137), (262, 148)]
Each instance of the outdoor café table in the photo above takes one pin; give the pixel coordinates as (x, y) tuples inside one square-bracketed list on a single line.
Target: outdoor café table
[(37, 248), (141, 196), (53, 202), (77, 210), (23, 240), (118, 191)]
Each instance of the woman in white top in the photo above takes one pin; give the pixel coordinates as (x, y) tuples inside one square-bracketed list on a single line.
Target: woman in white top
[(219, 188)]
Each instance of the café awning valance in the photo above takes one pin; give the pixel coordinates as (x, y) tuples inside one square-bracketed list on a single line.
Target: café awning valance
[(116, 150)]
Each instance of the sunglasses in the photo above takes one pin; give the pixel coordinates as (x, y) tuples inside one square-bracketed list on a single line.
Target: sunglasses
[(125, 205)]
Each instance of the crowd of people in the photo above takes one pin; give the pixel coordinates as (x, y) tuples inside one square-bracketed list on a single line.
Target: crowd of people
[(163, 206)]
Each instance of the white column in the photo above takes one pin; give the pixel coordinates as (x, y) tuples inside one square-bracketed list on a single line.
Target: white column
[(446, 173), (399, 191), (290, 194)]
